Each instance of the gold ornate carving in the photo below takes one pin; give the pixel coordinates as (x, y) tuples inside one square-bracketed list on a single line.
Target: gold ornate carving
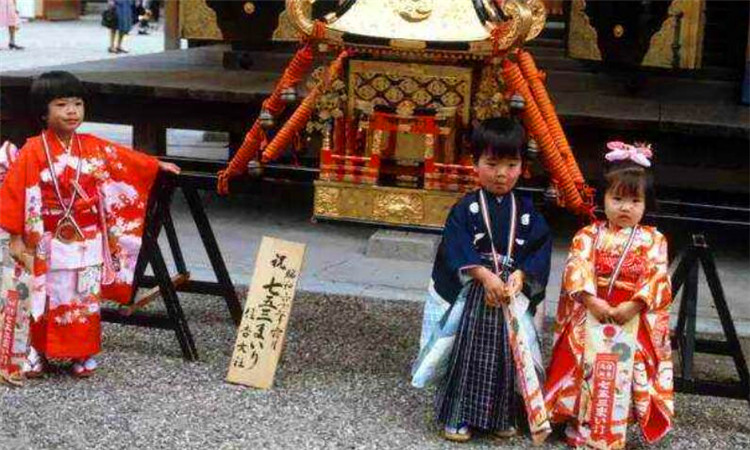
[(286, 31), (518, 25), (410, 24), (412, 10), (415, 20), (425, 85), (618, 31), (398, 207), (437, 208), (198, 21), (660, 53), (429, 146), (300, 16), (330, 104), (582, 36), (377, 142), (394, 95), (355, 203), (538, 18), (327, 201), (388, 205), (489, 101)]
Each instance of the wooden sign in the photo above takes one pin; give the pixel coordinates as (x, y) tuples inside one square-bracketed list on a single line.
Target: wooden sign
[(260, 337)]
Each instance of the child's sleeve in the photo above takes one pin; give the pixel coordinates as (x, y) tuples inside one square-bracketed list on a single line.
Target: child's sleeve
[(8, 153), (126, 192), (579, 275), (655, 290), (136, 168), (536, 265), (13, 196), (458, 243)]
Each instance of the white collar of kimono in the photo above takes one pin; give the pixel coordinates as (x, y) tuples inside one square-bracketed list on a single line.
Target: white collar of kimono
[(507, 259)]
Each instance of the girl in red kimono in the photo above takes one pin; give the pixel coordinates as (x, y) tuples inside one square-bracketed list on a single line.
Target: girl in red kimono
[(74, 206), (636, 257)]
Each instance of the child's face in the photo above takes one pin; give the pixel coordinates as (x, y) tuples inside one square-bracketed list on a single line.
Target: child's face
[(65, 115), (498, 175), (624, 210)]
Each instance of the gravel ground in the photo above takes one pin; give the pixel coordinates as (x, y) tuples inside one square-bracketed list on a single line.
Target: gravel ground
[(342, 383)]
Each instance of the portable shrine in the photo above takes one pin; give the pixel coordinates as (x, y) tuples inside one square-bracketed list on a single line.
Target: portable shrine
[(395, 106)]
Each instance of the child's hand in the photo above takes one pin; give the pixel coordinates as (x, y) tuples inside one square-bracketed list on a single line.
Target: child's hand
[(625, 311), (20, 253), (598, 307), (494, 290), (169, 167), (514, 284)]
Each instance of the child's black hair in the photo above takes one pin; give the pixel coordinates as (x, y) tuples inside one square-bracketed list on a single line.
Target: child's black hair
[(53, 85), (498, 137), (630, 179)]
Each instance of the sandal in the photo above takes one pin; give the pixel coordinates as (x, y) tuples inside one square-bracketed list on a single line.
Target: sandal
[(12, 379), (35, 365), (510, 432), (15, 47), (121, 50), (112, 50), (84, 369), (457, 434)]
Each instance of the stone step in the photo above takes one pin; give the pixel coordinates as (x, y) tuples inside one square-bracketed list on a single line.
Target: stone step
[(402, 245)]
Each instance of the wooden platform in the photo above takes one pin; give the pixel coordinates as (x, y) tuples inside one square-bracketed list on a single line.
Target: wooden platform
[(191, 89), (174, 89)]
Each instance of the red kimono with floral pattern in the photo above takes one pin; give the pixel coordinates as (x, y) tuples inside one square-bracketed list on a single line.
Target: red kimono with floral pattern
[(70, 278), (643, 278)]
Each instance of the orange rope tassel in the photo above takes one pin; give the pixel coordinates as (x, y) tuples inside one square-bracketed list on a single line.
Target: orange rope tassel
[(301, 116), (535, 123), (533, 78), (297, 69)]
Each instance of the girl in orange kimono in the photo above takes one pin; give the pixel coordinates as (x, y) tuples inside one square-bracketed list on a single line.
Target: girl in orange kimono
[(636, 257), (74, 206)]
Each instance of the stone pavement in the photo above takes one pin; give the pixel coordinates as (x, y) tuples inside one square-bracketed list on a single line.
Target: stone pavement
[(66, 42), (342, 383)]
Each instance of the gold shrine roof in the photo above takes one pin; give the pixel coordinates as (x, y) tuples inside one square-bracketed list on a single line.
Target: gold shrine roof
[(452, 25), (425, 20)]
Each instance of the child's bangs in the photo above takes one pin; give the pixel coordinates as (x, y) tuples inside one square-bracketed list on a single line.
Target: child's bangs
[(627, 183), (502, 152), (498, 138)]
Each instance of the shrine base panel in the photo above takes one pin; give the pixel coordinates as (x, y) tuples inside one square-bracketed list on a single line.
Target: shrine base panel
[(386, 205)]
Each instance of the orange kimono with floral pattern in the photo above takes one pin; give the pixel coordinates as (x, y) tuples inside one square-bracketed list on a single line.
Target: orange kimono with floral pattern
[(643, 278), (71, 277)]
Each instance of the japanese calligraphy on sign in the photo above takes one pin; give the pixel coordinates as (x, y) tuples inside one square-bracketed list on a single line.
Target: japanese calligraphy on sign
[(610, 350), (605, 375), (260, 337)]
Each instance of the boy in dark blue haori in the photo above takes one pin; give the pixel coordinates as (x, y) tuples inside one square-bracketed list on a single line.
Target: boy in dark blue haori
[(478, 390)]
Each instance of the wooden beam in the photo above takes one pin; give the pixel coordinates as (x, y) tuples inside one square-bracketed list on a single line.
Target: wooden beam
[(150, 138), (172, 25), (151, 294)]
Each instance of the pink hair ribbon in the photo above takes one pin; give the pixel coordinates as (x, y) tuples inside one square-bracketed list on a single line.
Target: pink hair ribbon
[(638, 153)]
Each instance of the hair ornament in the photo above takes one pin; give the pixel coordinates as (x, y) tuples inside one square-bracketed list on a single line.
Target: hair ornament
[(639, 153)]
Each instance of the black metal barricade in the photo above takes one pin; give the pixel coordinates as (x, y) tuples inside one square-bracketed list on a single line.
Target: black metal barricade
[(685, 277), (158, 218)]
